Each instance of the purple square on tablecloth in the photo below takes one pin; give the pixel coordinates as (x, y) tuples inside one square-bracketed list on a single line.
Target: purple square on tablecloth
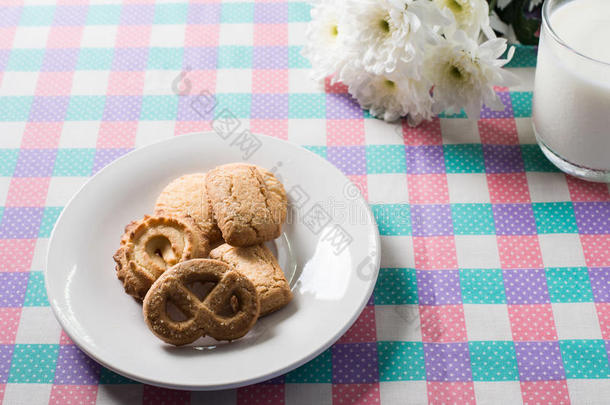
[(122, 108), (59, 60), (438, 287), (35, 163), (600, 283), (10, 16), (75, 368), (342, 106), (270, 13), (355, 363), (526, 286), (447, 362), (514, 219), (137, 14), (270, 57), (592, 217), (349, 159), (196, 107), (539, 361), (49, 108), (507, 112), (12, 288), (269, 106), (6, 355), (70, 15), (503, 158), (21, 222), (425, 159), (4, 55), (203, 13), (431, 219), (274, 381), (105, 156), (371, 300), (200, 58), (130, 59)]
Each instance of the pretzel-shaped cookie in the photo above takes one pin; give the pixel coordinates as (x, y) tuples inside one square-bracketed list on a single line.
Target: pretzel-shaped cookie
[(228, 311)]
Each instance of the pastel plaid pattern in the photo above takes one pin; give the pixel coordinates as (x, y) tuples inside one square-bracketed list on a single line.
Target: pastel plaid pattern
[(495, 278)]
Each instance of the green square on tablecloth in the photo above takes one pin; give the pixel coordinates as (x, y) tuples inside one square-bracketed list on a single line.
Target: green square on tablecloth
[(385, 159), (401, 361), (522, 103), (237, 13), (302, 105), (473, 219), (37, 15), (234, 57), (33, 363), (525, 56), (318, 370), (159, 108), (396, 286), (237, 103), (585, 358), (36, 294), (317, 149), (482, 286), (296, 60), (8, 161), (110, 377), (392, 219), (25, 60), (74, 162), (569, 284), (535, 161), (104, 14), (299, 12), (555, 217), (461, 114), (493, 361), (86, 108), (15, 108), (48, 221), (165, 58), (171, 13), (95, 59), (464, 158)]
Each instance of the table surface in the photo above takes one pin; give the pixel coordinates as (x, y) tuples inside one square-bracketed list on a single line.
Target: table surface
[(495, 278)]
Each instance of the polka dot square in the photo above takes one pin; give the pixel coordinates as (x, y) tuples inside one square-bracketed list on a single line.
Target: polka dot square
[(36, 293), (363, 330), (514, 219), (508, 188), (596, 249), (401, 361), (464, 158), (473, 219), (593, 217), (436, 252), (425, 159), (499, 131), (318, 370), (349, 159), (581, 190), (451, 393), (360, 394), (555, 217), (38, 135), (269, 81), (427, 133), (447, 362), (585, 358), (392, 219), (9, 261), (33, 364), (6, 353), (12, 288), (361, 183), (532, 322), (569, 284), (526, 286), (344, 133), (442, 323), (482, 286), (27, 192), (9, 323), (396, 286), (539, 361), (74, 367), (125, 83), (73, 394), (431, 219), (603, 315), (156, 395), (545, 392), (519, 251), (440, 287), (355, 363), (259, 395), (385, 159), (117, 134), (428, 188), (277, 128), (493, 361)]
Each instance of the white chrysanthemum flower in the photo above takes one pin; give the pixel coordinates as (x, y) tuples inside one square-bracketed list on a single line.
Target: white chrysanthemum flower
[(465, 73), (391, 96), (324, 47), (471, 16)]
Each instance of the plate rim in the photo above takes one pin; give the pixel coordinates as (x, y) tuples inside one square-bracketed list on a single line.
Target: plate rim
[(67, 328)]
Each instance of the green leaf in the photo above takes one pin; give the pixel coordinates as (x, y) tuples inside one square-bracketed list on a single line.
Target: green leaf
[(514, 15)]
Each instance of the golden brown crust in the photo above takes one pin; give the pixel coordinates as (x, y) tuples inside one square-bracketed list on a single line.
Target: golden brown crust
[(260, 266), (153, 244), (249, 203), (228, 312), (186, 196)]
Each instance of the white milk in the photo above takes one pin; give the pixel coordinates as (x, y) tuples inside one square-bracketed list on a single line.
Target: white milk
[(571, 109)]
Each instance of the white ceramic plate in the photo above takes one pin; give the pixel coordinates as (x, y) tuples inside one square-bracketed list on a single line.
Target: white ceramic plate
[(329, 251)]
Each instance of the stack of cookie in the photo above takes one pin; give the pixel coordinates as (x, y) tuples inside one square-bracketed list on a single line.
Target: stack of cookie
[(207, 234)]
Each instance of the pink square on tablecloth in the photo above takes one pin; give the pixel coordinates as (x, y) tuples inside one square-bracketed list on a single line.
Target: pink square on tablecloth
[(428, 188), (64, 339), (336, 87), (498, 131), (269, 81), (442, 323), (64, 37), (6, 37), (199, 81), (545, 392), (344, 132), (532, 322), (356, 394), (270, 34), (361, 182), (186, 127), (54, 84), (435, 253), (41, 135), (274, 128), (125, 83), (201, 35), (9, 261), (9, 323), (427, 133), (157, 395), (500, 88), (450, 393), (603, 314), (133, 36), (259, 394), (27, 192), (585, 191), (363, 330), (113, 134), (596, 249), (519, 252), (73, 394), (508, 188)]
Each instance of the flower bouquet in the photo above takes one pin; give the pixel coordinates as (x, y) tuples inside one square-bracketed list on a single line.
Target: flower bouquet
[(413, 58)]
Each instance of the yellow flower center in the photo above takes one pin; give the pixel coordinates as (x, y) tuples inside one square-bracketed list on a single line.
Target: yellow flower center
[(389, 84), (454, 6), (384, 25), (334, 30)]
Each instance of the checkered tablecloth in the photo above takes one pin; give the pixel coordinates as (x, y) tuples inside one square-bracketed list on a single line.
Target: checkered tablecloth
[(495, 278)]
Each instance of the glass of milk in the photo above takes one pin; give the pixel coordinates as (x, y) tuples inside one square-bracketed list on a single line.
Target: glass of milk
[(571, 106)]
